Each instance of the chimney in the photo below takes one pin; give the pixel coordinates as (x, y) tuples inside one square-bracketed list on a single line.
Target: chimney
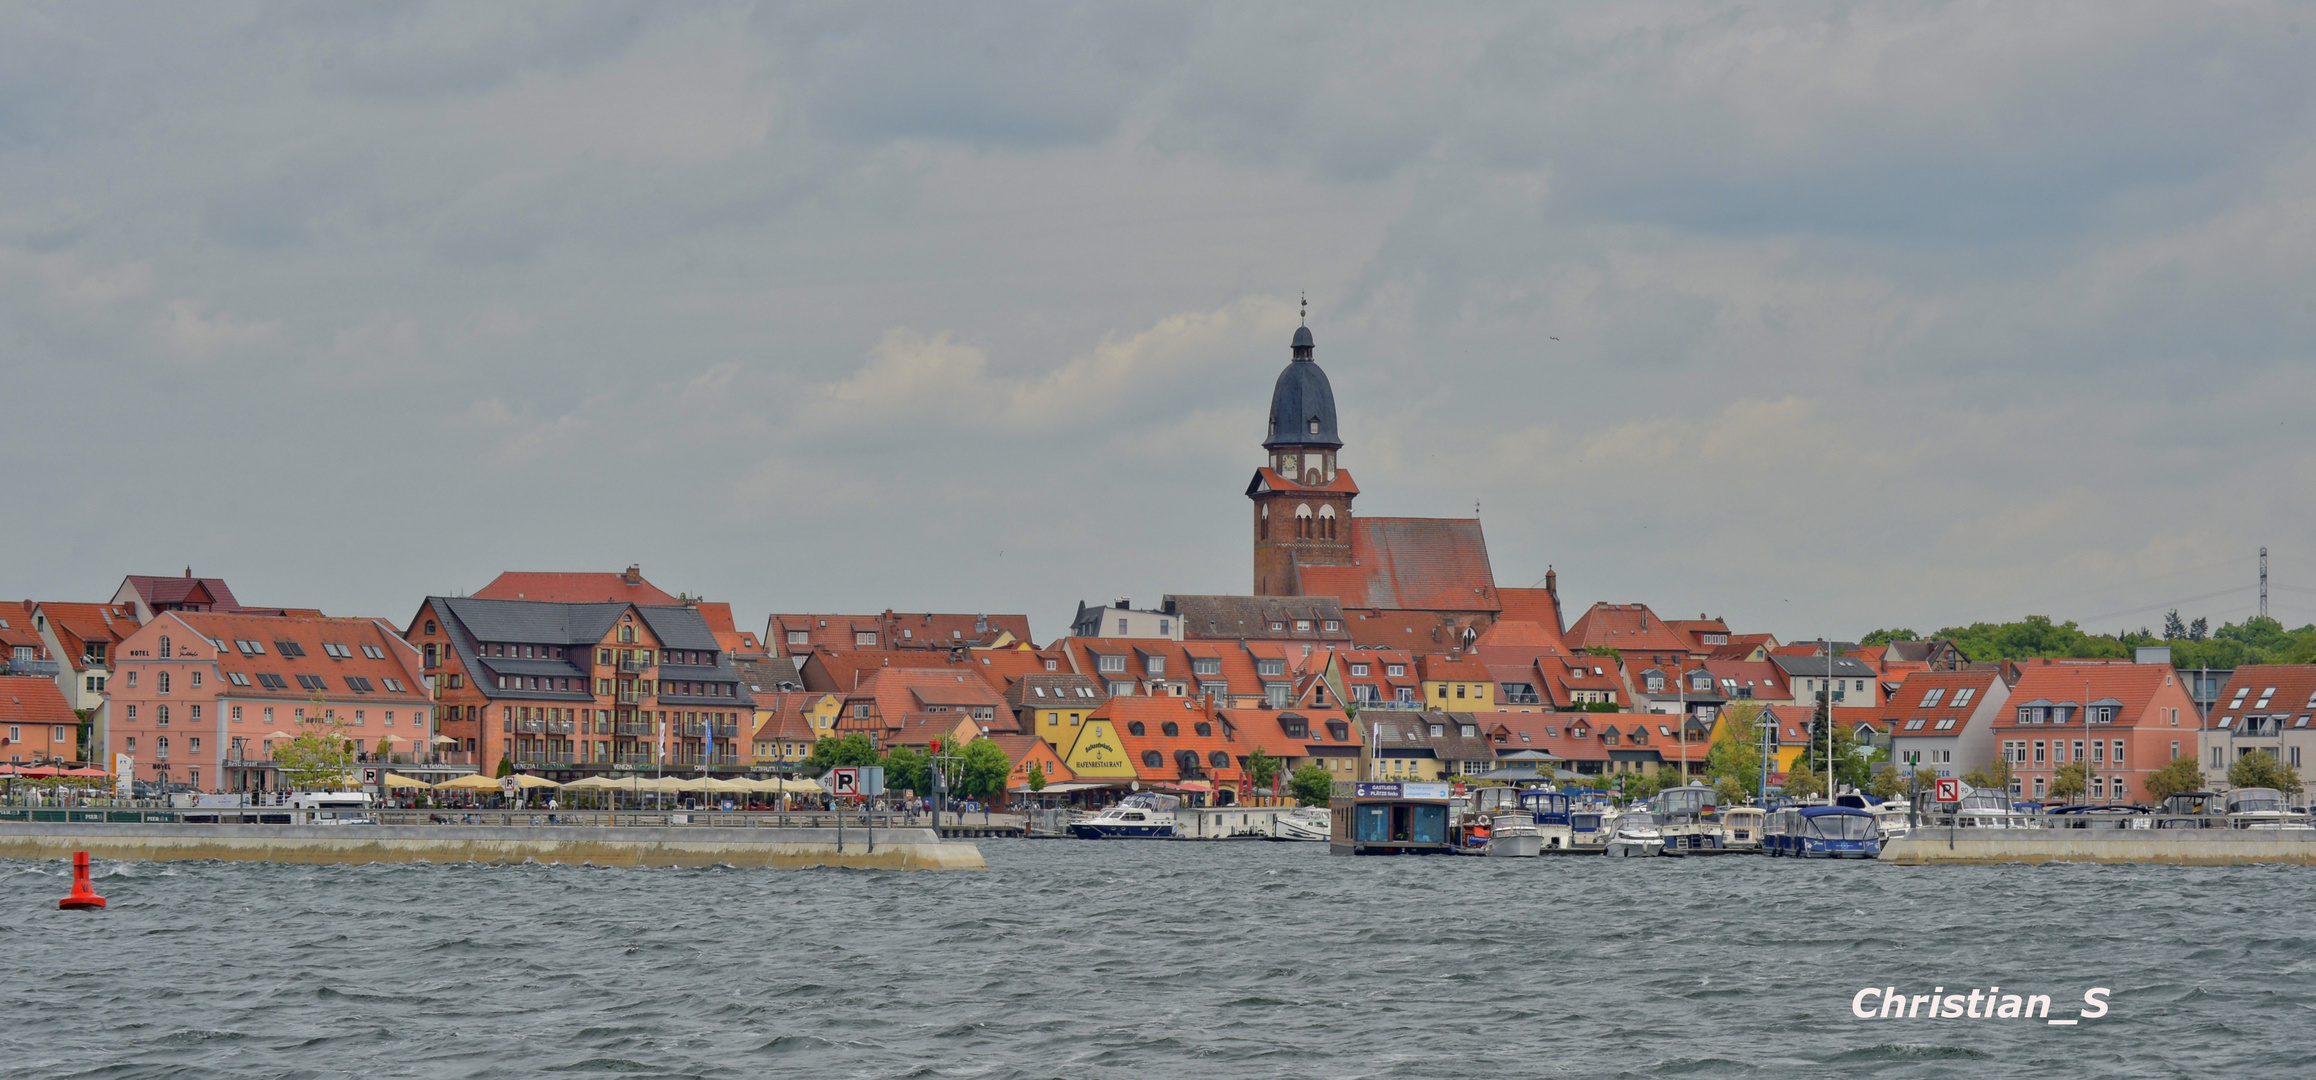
[(1123, 603), (1552, 581), (188, 571), (634, 574)]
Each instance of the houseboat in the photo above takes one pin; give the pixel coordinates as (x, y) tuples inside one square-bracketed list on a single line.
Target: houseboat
[(1686, 818), (1822, 832), (1140, 816), (1390, 819)]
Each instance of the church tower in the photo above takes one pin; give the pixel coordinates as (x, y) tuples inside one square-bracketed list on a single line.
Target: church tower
[(1302, 502)]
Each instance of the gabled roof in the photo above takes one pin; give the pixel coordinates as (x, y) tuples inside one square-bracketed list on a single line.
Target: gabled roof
[(1238, 618), (31, 699), (360, 637), (1912, 701), (1539, 606), (1409, 564), (1625, 628), (1453, 667), (768, 674), (1266, 480), (895, 631), (160, 591), (2135, 685), (1840, 667), (577, 588), (1185, 714), (2293, 686)]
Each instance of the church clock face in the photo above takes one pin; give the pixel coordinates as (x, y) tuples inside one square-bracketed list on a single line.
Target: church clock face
[(1287, 465)]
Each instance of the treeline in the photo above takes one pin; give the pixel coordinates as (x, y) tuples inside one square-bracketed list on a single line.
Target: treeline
[(2253, 641)]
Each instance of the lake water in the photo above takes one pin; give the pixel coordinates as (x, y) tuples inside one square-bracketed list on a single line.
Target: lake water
[(1152, 959)]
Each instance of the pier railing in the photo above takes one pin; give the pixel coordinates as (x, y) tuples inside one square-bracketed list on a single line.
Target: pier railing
[(623, 819)]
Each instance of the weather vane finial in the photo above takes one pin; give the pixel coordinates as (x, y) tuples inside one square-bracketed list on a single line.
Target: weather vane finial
[(1306, 316)]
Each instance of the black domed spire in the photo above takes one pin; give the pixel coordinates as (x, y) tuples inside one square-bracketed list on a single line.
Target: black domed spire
[(1302, 404)]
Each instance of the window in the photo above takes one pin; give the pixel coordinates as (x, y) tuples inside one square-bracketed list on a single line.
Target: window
[(2118, 758), (161, 716), (289, 648), (1053, 665), (1358, 671), (1302, 626), (1134, 727), (1154, 665), (1171, 729), (1334, 625), (132, 680), (164, 646), (161, 682), (866, 639), (1205, 665), (1152, 760), (1395, 671), (2038, 751), (1110, 664), (1270, 667), (1962, 696), (373, 652), (1930, 700), (1277, 626), (1121, 628), (237, 678)]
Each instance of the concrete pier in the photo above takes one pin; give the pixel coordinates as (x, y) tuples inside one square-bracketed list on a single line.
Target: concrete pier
[(788, 848), (2180, 847)]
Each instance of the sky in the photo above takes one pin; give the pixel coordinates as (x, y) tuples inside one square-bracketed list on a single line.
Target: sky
[(1815, 317)]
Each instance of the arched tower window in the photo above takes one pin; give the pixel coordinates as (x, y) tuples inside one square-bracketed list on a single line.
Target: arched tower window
[(1265, 525), (1303, 529), (1327, 522)]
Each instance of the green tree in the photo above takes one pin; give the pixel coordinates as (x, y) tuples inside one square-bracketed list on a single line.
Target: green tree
[(1885, 783), (1848, 767), (1599, 706), (982, 769), (2259, 768), (1035, 778), (1262, 769), (1735, 755), (834, 752), (1993, 774), (1884, 637), (1730, 792), (1802, 783), (2184, 774), (319, 757), (907, 769), (2071, 782), (1312, 785)]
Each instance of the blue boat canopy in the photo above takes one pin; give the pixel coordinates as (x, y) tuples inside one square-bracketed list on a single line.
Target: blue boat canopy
[(1833, 811)]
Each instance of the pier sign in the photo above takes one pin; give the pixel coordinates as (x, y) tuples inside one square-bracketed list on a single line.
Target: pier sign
[(1949, 790), (844, 783)]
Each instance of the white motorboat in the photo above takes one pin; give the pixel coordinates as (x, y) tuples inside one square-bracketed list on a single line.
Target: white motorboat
[(2262, 808), (1636, 836), (1139, 816), (1303, 823), (1513, 834)]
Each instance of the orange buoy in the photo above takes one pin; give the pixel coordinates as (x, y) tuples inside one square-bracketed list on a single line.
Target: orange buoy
[(83, 898)]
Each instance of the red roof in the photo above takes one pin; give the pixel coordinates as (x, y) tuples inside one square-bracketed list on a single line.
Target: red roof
[(1268, 480), (2134, 686), (1625, 628), (1539, 606), (160, 592), (1418, 564), (578, 589), (78, 625), (395, 658), (32, 699), (1186, 714), (2266, 690)]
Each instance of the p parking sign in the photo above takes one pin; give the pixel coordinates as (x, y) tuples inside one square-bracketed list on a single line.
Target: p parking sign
[(1949, 790)]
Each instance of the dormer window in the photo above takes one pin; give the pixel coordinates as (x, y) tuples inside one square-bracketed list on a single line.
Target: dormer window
[(1314, 425)]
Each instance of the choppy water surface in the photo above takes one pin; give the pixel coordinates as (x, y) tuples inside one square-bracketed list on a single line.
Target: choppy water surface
[(1074, 959)]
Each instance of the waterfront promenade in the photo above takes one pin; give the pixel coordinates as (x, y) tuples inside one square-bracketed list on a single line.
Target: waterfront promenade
[(791, 841)]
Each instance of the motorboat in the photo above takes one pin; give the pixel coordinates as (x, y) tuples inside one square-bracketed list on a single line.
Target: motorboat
[(2262, 808), (1550, 810), (1636, 835), (1686, 817), (1823, 832), (1302, 823), (1139, 816), (1513, 834), (1741, 828)]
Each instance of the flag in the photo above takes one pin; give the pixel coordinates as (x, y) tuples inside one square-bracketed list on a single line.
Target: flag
[(663, 738), (711, 755)]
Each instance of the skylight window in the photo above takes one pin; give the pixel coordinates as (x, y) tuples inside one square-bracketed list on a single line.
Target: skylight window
[(289, 648), (237, 678), (1930, 700), (1962, 696), (373, 652), (396, 686)]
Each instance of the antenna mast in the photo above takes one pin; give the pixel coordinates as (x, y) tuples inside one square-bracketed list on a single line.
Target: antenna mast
[(2263, 583)]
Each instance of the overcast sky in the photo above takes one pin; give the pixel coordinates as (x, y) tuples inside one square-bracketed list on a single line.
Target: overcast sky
[(1817, 317)]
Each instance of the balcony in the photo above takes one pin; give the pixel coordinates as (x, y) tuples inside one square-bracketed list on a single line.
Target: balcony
[(630, 697), (530, 727), (634, 728), (25, 665), (1523, 699), (634, 667), (562, 727)]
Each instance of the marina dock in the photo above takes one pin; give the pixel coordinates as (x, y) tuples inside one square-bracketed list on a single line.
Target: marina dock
[(794, 847), (2182, 847)]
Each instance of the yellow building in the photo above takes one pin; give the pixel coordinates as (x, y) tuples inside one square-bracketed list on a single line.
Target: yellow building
[(1054, 705), (1098, 753), (787, 724), (1458, 683)]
